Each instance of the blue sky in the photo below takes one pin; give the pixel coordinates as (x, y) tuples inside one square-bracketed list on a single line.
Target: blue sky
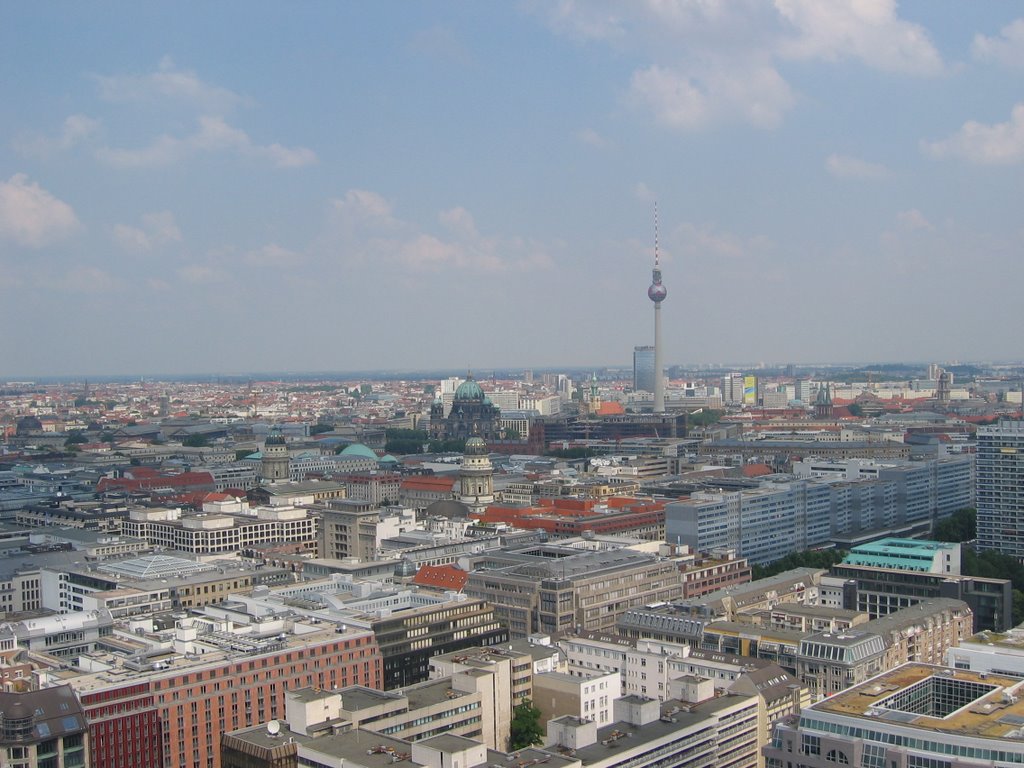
[(244, 186)]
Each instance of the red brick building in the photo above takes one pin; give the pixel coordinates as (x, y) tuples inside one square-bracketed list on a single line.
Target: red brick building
[(174, 715), (643, 518)]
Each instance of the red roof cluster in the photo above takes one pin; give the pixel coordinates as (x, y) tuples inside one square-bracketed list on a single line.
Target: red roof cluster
[(441, 576), (428, 483), (146, 479)]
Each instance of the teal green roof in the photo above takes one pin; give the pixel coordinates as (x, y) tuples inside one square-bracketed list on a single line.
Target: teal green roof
[(901, 554), (469, 390), (358, 449), (388, 459)]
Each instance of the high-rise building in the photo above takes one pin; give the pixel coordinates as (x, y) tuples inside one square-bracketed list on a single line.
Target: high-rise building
[(1000, 488), (643, 369), (657, 293), (732, 388)]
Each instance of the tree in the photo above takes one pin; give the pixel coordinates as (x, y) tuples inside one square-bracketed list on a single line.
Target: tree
[(525, 730), (571, 453), (962, 525), (75, 438), (813, 558), (319, 429), (405, 441), (703, 417), (990, 564), (451, 445)]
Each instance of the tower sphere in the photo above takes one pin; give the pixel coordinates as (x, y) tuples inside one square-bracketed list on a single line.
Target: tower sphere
[(657, 292)]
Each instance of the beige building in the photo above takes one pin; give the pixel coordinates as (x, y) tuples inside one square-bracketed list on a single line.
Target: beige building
[(463, 704), (551, 589), (210, 533), (346, 533), (780, 694), (588, 698)]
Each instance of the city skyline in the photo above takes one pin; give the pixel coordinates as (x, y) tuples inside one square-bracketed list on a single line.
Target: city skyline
[(258, 187)]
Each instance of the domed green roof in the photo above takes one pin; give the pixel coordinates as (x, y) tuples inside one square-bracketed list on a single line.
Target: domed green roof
[(475, 446), (469, 390), (358, 449)]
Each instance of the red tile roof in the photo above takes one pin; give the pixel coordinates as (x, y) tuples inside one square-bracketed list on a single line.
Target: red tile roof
[(427, 483), (441, 576)]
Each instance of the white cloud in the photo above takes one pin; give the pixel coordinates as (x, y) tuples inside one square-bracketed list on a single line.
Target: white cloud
[(643, 193), (460, 222), (168, 82), (913, 219), (201, 274), (1007, 48), (213, 135), (163, 151), (91, 280), (363, 205), (157, 229), (846, 167), (370, 231), (715, 255), (868, 30), (713, 62), (273, 255), (75, 130), (29, 215), (996, 144), (592, 138), (440, 43), (131, 238), (758, 96)]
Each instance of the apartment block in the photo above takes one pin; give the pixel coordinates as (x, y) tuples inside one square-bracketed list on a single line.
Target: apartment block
[(778, 517), (1000, 488)]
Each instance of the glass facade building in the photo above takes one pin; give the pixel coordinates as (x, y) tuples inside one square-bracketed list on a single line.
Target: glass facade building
[(643, 369)]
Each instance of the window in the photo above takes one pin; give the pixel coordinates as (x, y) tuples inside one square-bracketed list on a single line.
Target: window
[(810, 745)]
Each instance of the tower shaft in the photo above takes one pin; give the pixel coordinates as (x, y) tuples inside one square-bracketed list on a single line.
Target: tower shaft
[(659, 379)]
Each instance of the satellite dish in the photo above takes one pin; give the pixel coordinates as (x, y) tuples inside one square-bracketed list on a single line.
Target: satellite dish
[(273, 728)]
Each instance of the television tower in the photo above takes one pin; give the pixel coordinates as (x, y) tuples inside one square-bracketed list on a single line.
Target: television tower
[(657, 294)]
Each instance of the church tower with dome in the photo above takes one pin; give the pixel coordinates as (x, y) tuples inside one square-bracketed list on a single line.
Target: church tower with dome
[(476, 477), (276, 464), (472, 414)]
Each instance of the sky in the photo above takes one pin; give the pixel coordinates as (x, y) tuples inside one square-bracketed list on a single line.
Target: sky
[(232, 187)]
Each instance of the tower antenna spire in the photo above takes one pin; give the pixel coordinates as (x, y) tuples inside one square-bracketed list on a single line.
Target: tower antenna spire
[(657, 259), (657, 294)]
